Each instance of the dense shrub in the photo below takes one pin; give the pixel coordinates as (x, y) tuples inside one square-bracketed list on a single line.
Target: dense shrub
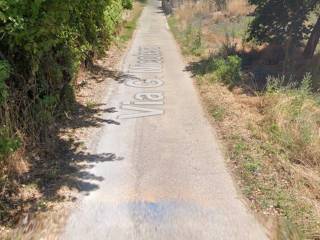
[(42, 46), (127, 4), (228, 70), (224, 69)]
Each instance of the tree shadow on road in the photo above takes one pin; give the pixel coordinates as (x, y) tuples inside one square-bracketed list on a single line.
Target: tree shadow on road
[(59, 162)]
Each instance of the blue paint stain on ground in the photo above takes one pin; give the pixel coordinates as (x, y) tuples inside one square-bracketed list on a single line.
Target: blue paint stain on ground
[(162, 211)]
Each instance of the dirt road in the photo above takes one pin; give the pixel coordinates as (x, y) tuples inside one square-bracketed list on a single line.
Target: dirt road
[(159, 173)]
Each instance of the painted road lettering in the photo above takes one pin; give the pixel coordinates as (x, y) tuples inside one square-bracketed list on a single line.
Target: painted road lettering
[(153, 96), (139, 112), (144, 83), (149, 61)]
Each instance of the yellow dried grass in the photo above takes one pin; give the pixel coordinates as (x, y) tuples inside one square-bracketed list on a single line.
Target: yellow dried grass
[(238, 7)]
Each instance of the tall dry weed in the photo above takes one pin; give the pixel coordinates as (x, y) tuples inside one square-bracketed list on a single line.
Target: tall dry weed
[(238, 7), (293, 120)]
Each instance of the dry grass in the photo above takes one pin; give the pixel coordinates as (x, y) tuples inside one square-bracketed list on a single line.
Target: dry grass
[(275, 185), (275, 149), (208, 8), (238, 7), (216, 26), (294, 118)]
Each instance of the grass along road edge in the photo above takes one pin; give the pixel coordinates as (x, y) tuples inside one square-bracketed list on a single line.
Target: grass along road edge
[(271, 137)]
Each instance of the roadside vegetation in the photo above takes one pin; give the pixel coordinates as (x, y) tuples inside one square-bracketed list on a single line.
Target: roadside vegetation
[(44, 48), (129, 25), (260, 82)]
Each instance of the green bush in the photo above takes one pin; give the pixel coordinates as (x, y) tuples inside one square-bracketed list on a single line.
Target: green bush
[(112, 17), (127, 4), (228, 70), (8, 143), (45, 108), (45, 42)]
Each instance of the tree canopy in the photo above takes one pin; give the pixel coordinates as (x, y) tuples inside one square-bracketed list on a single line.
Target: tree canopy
[(283, 21)]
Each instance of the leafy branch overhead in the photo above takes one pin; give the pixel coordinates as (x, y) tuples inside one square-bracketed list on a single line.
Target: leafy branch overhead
[(286, 21)]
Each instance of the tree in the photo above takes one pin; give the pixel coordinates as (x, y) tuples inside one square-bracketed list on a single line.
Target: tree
[(285, 21), (313, 40)]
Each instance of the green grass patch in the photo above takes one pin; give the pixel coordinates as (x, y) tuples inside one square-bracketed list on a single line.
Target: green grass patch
[(218, 112), (292, 118), (91, 104), (190, 38), (130, 25)]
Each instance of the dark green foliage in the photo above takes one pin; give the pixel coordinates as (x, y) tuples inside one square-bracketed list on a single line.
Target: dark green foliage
[(8, 143), (127, 4), (4, 74), (43, 43), (281, 21), (228, 70)]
